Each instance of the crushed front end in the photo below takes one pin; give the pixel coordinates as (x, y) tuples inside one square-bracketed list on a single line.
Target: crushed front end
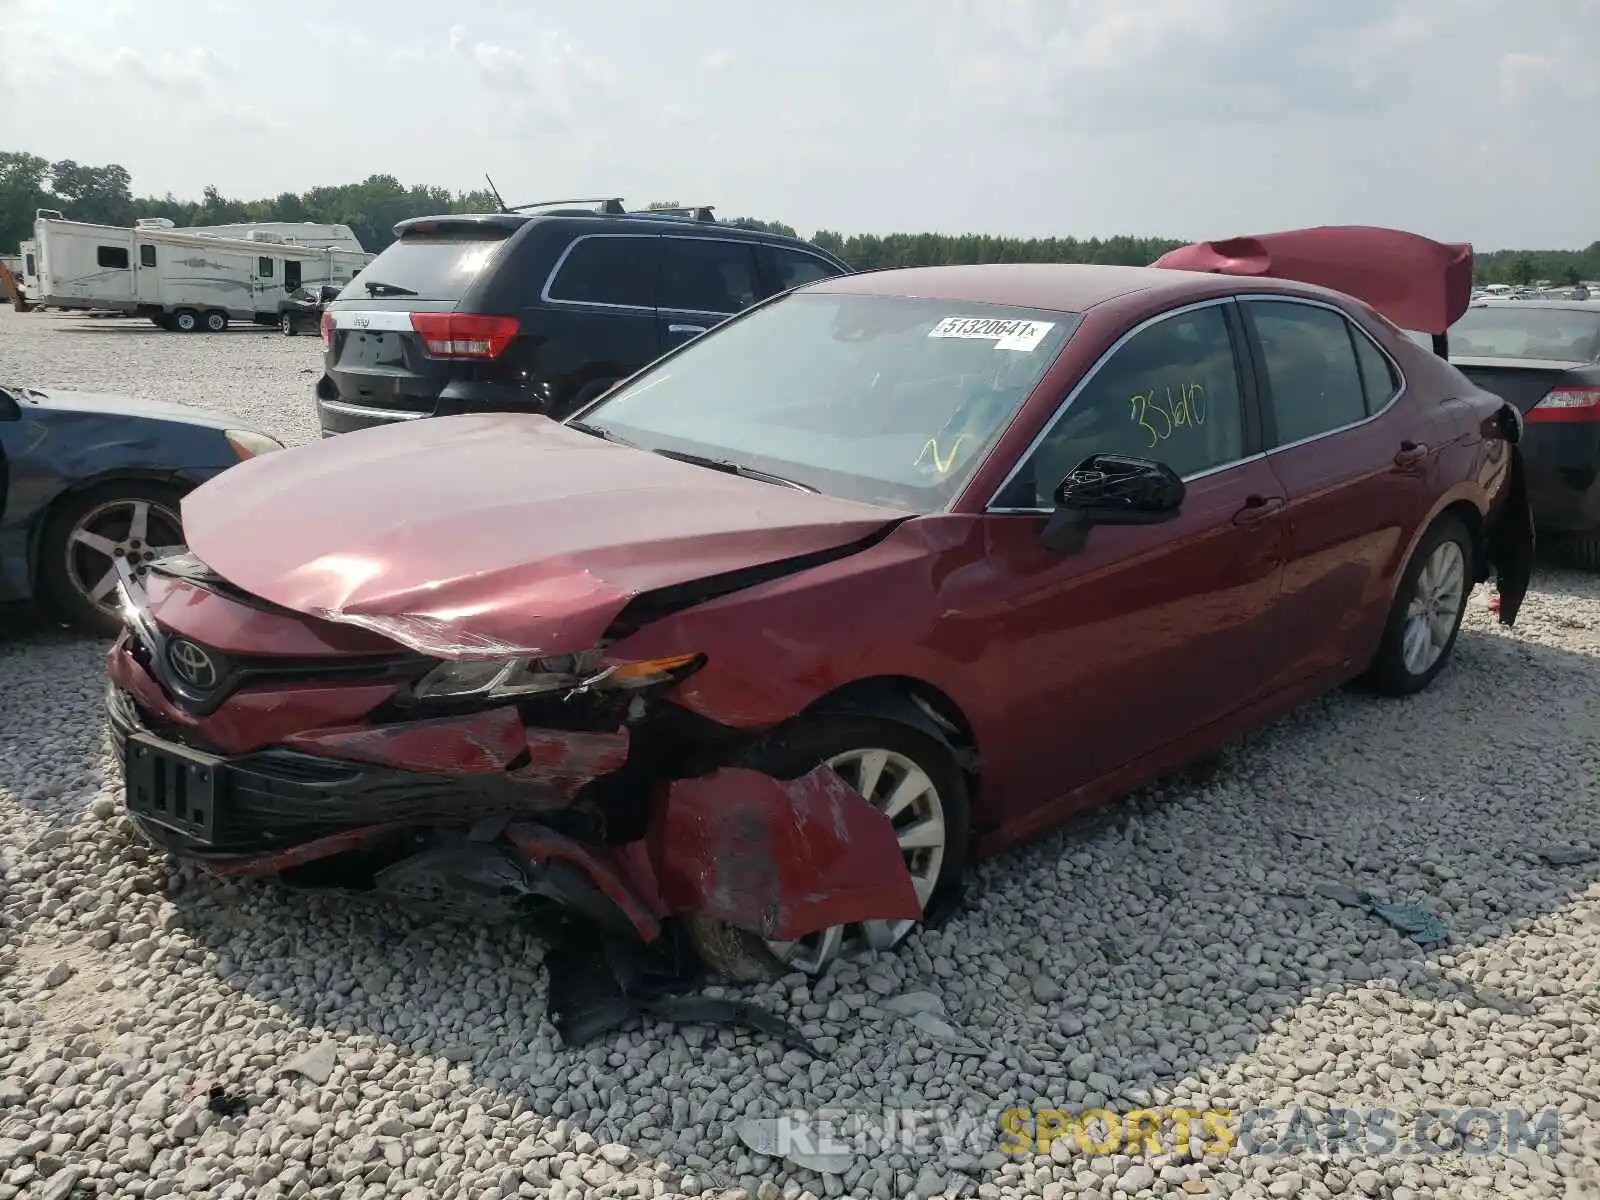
[(258, 741)]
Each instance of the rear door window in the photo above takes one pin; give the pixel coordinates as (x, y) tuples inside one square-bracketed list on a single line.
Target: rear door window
[(1313, 378), (438, 265), (785, 269), (707, 276), (612, 269), (1377, 372)]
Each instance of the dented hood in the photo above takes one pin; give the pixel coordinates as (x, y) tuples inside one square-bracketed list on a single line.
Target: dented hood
[(467, 537), (1414, 281)]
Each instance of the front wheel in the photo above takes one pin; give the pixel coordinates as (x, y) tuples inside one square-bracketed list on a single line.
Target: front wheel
[(136, 521), (286, 324), (1427, 612), (905, 774)]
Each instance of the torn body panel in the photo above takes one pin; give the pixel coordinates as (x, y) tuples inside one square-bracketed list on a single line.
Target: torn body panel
[(779, 858)]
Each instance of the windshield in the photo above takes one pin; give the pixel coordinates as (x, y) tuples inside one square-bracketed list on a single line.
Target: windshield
[(879, 399), (1527, 330)]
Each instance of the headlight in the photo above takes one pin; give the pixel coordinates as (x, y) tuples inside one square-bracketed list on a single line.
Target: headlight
[(498, 678), (247, 443)]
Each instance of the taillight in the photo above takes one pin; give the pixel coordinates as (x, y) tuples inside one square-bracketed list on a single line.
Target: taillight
[(464, 335), (1567, 404), (327, 329)]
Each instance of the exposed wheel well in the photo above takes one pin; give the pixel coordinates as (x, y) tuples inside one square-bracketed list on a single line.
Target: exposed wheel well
[(918, 704), (1467, 512)]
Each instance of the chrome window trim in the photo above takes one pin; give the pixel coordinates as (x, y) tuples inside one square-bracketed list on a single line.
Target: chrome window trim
[(1085, 381), (1353, 324), (546, 297), (544, 292)]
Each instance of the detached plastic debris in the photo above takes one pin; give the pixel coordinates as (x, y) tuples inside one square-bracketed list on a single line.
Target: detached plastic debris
[(600, 985), (1421, 926), (1568, 856)]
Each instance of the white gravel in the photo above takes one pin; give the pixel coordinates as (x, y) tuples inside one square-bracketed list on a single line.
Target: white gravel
[(1176, 956)]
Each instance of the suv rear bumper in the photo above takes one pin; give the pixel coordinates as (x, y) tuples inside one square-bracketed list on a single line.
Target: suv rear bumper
[(468, 396)]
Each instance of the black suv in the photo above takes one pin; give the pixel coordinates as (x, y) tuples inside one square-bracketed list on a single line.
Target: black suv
[(537, 311)]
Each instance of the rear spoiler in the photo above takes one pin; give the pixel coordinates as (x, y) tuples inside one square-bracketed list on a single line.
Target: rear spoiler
[(1413, 281)]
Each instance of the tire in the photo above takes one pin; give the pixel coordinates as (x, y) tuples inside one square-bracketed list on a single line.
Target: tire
[(185, 320), (585, 394), (1583, 551), (216, 320), (73, 570), (286, 324), (1394, 671), (743, 956)]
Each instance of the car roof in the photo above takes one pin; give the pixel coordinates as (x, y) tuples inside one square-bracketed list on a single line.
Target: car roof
[(597, 222), (1061, 287)]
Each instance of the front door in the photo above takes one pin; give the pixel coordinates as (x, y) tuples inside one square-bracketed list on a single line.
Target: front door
[(1149, 632), (703, 282), (1357, 470)]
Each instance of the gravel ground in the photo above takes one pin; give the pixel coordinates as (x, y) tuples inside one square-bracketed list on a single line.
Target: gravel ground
[(1176, 954)]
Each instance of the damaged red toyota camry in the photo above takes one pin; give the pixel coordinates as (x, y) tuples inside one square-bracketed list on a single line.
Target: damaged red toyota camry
[(884, 574)]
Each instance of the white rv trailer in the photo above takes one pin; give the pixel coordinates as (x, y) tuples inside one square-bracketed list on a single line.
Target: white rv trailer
[(295, 233), (179, 279)]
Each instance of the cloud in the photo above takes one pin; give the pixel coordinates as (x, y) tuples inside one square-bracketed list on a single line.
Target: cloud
[(1097, 64), (549, 78), (1524, 77)]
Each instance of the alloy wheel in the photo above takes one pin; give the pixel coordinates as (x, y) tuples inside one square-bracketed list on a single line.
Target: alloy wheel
[(1435, 607), (897, 787), (136, 531)]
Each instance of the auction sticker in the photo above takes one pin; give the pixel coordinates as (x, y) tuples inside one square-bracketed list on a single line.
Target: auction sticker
[(1006, 335)]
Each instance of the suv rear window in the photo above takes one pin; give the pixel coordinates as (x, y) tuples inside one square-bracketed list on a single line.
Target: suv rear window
[(434, 266), (608, 269)]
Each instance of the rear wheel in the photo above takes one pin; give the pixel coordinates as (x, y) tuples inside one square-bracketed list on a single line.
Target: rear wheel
[(216, 321), (1427, 612), (286, 324), (135, 521), (911, 778), (185, 320), (1584, 551)]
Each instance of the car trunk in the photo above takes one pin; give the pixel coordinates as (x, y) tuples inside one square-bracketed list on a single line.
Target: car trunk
[(1525, 382), (395, 336)]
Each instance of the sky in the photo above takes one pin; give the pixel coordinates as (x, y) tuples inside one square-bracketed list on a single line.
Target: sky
[(1466, 120)]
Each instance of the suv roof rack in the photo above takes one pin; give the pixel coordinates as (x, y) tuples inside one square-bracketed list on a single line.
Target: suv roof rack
[(700, 212), (610, 205)]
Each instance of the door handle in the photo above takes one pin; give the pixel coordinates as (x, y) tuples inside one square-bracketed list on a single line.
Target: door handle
[(686, 328), (1411, 453), (1257, 508)]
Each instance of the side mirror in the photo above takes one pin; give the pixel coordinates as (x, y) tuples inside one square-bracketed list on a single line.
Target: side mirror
[(1110, 489)]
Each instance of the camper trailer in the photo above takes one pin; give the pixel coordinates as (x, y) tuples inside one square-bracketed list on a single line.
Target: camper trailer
[(294, 233), (181, 280)]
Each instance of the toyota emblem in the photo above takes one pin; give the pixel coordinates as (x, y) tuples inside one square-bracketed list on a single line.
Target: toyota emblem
[(192, 664)]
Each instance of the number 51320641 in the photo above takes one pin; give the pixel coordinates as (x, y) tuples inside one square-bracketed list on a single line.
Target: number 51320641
[(1161, 412)]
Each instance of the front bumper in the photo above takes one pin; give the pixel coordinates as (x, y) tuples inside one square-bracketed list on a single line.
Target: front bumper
[(482, 817)]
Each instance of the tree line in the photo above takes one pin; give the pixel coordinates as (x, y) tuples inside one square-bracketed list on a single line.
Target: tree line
[(371, 208)]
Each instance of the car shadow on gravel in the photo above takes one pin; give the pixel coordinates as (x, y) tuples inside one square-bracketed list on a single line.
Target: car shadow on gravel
[(1168, 937)]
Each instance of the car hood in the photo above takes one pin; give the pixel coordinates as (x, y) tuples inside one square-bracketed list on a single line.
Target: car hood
[(499, 534), (111, 404)]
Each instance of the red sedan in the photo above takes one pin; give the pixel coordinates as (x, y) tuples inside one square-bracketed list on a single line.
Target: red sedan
[(889, 572)]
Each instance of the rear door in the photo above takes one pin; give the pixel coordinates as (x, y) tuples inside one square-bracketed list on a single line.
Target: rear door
[(783, 268), (1357, 462), (376, 359), (704, 281)]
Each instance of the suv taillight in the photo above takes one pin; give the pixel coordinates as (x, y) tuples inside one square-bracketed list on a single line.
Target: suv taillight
[(1567, 404), (464, 335), (327, 328)]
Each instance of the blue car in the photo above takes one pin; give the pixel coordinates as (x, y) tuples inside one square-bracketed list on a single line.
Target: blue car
[(86, 480)]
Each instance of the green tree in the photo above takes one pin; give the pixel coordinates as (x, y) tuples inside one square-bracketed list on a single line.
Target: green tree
[(22, 190)]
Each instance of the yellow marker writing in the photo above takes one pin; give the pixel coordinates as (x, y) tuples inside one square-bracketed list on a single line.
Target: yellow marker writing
[(942, 465)]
